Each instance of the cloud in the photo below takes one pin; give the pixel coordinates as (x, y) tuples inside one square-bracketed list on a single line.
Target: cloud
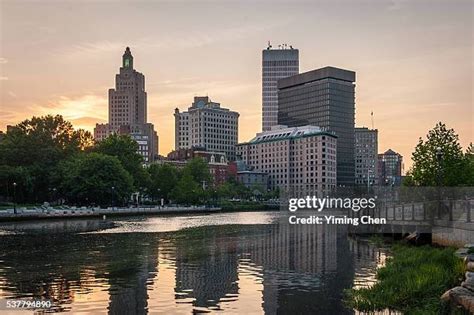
[(3, 78), (169, 41), (87, 123), (3, 60), (82, 108)]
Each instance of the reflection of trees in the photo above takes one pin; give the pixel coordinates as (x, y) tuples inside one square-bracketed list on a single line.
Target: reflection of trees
[(303, 269), (54, 266)]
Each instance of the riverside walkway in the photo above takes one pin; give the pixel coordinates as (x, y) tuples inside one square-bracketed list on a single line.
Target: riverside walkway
[(46, 212)]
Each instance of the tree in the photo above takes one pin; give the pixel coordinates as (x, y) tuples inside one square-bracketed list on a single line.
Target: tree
[(163, 179), (88, 179), (451, 169), (187, 191), (37, 145), (125, 149), (199, 171)]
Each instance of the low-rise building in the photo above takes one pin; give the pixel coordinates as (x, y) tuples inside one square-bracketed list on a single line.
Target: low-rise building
[(390, 168), (217, 162), (297, 159)]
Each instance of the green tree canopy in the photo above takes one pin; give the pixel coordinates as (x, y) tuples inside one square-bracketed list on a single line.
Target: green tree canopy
[(163, 179), (453, 167), (36, 145), (199, 171), (89, 178), (125, 149), (187, 191)]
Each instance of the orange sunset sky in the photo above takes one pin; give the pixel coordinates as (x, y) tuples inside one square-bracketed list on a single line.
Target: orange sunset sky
[(413, 59)]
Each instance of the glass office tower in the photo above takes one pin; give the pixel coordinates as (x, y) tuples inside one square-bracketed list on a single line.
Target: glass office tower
[(324, 98)]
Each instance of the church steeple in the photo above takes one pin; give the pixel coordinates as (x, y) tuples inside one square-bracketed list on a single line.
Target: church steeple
[(127, 59)]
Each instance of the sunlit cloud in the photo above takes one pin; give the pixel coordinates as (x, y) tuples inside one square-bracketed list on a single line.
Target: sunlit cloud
[(3, 78), (86, 110), (3, 60)]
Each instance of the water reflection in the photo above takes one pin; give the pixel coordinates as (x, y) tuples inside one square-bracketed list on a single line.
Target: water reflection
[(235, 267)]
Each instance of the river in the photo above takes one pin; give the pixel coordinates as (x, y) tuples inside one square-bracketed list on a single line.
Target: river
[(231, 263)]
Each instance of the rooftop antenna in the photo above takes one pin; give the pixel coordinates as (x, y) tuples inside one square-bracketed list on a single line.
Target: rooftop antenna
[(269, 45), (372, 118)]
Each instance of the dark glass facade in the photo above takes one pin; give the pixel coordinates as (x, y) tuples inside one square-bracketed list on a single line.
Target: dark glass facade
[(325, 98)]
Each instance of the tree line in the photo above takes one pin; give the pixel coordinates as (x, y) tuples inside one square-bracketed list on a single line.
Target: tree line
[(49, 160)]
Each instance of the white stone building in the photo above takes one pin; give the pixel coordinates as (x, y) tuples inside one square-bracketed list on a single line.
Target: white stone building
[(207, 125)]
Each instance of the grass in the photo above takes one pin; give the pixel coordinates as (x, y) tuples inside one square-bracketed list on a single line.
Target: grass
[(411, 282)]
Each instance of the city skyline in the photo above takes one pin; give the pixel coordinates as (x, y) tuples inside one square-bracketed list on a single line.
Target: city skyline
[(410, 74)]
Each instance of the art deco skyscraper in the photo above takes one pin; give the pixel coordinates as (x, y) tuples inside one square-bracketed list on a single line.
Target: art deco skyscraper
[(276, 64), (128, 110)]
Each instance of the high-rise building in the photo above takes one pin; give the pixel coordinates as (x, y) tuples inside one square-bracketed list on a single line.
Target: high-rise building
[(366, 149), (324, 98), (390, 168), (301, 159), (207, 125), (128, 110), (276, 64)]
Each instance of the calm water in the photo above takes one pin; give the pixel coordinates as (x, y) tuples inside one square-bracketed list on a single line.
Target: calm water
[(234, 263)]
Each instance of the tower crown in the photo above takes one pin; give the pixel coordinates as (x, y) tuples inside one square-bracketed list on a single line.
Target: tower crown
[(127, 59)]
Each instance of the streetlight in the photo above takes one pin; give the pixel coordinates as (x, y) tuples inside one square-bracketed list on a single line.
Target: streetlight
[(113, 197), (14, 197)]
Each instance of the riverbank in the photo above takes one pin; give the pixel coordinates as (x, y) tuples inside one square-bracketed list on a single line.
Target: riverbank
[(411, 282), (73, 212)]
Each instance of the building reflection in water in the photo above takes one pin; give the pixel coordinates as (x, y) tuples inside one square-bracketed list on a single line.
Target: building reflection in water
[(273, 268)]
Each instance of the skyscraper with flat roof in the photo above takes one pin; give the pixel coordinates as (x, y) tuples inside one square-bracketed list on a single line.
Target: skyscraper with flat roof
[(324, 98), (366, 149), (276, 64), (207, 125)]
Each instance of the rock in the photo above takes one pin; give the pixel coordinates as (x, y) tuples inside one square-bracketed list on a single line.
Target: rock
[(470, 266), (462, 252), (469, 258), (469, 275), (468, 285), (469, 246), (460, 296)]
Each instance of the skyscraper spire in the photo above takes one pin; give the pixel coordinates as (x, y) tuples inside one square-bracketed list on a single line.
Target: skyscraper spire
[(127, 59)]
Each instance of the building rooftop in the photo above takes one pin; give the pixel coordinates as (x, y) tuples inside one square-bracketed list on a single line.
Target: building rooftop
[(390, 152), (315, 75), (279, 133)]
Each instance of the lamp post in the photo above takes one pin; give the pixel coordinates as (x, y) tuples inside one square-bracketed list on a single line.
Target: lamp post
[(113, 197), (14, 197)]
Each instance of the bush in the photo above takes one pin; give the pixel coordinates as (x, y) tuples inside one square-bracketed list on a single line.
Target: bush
[(412, 281)]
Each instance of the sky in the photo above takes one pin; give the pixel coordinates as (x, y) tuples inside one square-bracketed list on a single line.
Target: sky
[(413, 59)]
